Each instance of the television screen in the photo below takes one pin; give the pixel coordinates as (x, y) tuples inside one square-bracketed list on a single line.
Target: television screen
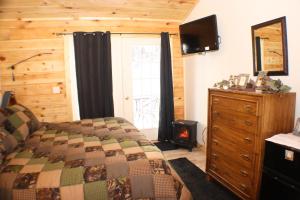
[(199, 36)]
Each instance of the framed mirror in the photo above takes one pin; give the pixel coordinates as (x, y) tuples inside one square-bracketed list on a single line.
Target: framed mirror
[(269, 44)]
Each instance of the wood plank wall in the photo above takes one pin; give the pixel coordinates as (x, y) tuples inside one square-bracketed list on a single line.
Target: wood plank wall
[(272, 47), (34, 79)]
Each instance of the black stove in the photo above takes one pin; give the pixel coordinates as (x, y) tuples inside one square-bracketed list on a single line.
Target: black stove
[(185, 133)]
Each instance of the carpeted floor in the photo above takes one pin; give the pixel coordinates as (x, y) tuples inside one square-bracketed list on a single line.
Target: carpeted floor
[(195, 180), (165, 146)]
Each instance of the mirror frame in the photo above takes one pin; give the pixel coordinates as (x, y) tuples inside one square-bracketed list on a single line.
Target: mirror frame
[(282, 21)]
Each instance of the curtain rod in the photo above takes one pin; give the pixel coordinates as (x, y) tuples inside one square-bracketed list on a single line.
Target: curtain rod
[(59, 34)]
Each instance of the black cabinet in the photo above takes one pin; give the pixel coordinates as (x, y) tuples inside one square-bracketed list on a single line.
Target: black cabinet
[(281, 173)]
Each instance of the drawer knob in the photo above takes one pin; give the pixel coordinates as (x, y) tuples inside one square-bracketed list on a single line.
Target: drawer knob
[(244, 173), (247, 139), (245, 157), (248, 123)]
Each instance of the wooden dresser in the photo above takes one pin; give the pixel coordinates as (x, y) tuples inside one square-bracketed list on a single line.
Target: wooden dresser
[(238, 123)]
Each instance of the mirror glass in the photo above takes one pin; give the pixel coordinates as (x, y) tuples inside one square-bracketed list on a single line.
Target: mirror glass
[(270, 48)]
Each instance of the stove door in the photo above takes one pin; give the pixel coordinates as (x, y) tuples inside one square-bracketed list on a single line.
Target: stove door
[(182, 134)]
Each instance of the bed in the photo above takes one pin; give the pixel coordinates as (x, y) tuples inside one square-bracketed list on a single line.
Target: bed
[(105, 158)]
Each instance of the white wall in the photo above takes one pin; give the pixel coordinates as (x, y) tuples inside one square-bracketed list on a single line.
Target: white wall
[(235, 18)]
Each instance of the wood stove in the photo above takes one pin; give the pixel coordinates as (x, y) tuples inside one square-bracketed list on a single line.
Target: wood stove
[(185, 133)]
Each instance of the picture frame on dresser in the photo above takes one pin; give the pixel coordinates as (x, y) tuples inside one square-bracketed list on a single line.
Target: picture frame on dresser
[(259, 81), (236, 81), (296, 130), (243, 80)]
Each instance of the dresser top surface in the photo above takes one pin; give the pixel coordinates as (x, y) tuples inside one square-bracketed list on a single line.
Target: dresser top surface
[(249, 92)]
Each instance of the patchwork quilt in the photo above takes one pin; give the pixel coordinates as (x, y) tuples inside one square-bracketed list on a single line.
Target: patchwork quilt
[(105, 158)]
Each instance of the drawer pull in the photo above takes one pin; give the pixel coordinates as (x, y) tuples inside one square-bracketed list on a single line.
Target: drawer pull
[(244, 173), (213, 167), (248, 123), (248, 140), (243, 187), (245, 157), (214, 156), (215, 128), (216, 113), (215, 141), (248, 108), (216, 100), (232, 120)]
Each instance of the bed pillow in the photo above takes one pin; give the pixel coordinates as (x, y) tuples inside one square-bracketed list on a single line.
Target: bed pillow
[(8, 143), (17, 125), (31, 120), (2, 148), (2, 117)]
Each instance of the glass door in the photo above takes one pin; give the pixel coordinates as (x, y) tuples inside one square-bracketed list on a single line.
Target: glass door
[(140, 62)]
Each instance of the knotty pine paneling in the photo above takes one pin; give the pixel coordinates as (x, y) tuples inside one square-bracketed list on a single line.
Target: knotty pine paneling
[(178, 81), (35, 78), (45, 9)]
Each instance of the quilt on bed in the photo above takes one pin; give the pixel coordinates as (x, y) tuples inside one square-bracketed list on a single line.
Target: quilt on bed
[(105, 158)]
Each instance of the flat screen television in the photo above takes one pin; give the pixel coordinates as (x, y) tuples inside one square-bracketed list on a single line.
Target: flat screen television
[(199, 36)]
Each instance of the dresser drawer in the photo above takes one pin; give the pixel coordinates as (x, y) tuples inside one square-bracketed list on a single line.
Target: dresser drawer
[(225, 150), (238, 139), (234, 120), (233, 176), (234, 104), (243, 172)]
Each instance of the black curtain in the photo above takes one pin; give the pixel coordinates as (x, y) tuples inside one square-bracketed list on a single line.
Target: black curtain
[(94, 74), (166, 110)]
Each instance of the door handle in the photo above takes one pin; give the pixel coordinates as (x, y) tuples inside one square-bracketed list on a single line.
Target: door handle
[(126, 98)]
